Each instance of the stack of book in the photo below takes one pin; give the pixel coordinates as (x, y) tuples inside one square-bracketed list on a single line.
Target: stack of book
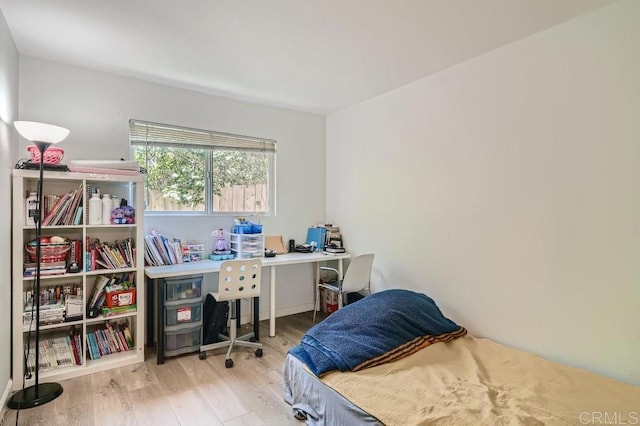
[(66, 211), (46, 268), (56, 351), (158, 250), (117, 255), (49, 314), (108, 338)]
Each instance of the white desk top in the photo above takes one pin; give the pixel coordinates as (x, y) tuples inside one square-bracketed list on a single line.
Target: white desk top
[(208, 266)]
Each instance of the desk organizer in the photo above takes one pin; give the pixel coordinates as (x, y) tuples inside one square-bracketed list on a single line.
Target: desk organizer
[(245, 246), (247, 228)]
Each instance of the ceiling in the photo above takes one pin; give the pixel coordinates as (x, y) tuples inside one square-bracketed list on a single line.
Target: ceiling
[(316, 56)]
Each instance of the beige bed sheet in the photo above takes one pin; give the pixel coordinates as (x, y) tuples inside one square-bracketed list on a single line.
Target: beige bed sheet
[(473, 381)]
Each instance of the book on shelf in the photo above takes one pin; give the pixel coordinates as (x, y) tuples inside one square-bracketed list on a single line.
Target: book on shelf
[(117, 310), (160, 251), (117, 255), (56, 350), (108, 338), (99, 286), (78, 217), (46, 268), (65, 209)]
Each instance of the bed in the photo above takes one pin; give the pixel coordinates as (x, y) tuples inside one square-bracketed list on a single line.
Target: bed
[(351, 369)]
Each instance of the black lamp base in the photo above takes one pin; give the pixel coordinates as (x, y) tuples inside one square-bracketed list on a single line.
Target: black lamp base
[(26, 398)]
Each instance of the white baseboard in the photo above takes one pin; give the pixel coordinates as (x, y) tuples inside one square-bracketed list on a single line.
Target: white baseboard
[(283, 312), (5, 397)]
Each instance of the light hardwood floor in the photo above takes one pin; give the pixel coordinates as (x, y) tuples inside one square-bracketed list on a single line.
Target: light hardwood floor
[(183, 391)]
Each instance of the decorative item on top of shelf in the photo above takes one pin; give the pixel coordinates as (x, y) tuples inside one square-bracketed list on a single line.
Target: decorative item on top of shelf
[(52, 155), (243, 226)]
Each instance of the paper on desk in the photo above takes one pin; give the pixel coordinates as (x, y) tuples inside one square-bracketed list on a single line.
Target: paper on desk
[(275, 243)]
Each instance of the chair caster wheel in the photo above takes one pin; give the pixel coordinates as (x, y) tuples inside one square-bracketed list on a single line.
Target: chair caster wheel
[(202, 355), (253, 339), (259, 353), (228, 363)]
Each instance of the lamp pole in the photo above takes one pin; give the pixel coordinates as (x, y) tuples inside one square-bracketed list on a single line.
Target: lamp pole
[(39, 393)]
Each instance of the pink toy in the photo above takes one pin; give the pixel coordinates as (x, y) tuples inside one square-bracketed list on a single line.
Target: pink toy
[(222, 245)]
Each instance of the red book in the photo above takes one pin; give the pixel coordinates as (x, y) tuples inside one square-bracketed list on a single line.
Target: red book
[(93, 260)]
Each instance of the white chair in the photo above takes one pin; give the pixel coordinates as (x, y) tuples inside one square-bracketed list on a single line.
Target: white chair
[(238, 279), (357, 278)]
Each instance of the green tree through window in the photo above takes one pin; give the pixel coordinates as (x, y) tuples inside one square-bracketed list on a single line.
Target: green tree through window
[(183, 177)]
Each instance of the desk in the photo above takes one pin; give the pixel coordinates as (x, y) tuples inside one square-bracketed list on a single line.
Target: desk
[(210, 266)]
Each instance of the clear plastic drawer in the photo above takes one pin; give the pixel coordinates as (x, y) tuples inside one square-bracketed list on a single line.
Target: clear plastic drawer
[(183, 314), (182, 341), (183, 288)]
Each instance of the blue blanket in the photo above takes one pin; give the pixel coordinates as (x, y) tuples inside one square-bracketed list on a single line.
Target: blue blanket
[(380, 328)]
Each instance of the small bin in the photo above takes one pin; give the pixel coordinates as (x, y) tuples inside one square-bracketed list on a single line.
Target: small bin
[(183, 288), (182, 341), (183, 314), (118, 298)]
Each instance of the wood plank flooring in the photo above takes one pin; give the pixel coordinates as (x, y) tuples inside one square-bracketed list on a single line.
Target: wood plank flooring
[(183, 391)]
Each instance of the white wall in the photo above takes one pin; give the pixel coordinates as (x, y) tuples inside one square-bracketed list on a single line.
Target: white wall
[(96, 107), (8, 141), (507, 188)]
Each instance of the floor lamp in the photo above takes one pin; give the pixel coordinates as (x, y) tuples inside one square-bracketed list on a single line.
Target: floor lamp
[(42, 135)]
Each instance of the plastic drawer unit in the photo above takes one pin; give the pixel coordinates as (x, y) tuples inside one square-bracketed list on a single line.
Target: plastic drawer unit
[(182, 340), (245, 246), (180, 322)]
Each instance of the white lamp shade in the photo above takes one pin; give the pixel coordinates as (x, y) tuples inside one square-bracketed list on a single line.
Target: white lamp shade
[(41, 132)]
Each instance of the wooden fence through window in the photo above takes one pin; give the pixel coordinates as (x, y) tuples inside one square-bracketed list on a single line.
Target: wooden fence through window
[(237, 198)]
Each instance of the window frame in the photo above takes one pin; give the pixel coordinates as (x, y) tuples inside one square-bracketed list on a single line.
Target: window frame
[(218, 142)]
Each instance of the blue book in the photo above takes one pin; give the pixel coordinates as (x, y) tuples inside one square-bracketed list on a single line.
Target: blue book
[(78, 216), (317, 236)]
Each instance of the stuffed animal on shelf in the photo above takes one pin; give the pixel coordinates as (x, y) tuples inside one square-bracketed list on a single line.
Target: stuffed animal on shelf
[(221, 245), (129, 214), (117, 216)]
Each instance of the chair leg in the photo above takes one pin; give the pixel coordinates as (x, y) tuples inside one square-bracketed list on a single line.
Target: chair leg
[(316, 304)]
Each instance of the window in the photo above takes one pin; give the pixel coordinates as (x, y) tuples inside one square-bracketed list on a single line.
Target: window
[(191, 170)]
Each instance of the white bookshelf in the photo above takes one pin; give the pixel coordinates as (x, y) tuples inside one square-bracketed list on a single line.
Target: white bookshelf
[(125, 186)]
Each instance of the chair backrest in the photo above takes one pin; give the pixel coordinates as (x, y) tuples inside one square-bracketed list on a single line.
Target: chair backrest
[(238, 279), (358, 273)]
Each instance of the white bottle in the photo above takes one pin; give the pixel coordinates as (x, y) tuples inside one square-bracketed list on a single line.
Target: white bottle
[(31, 209), (115, 202), (106, 209), (95, 209)]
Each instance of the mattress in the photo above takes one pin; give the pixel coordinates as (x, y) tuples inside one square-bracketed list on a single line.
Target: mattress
[(316, 403), (466, 381)]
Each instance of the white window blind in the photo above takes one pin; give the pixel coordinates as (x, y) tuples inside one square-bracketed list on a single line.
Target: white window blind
[(164, 135)]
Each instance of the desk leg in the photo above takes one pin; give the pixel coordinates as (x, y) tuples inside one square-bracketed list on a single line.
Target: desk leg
[(272, 302), (149, 305), (160, 319), (256, 318)]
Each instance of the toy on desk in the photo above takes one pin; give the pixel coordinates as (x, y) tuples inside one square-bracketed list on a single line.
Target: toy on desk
[(221, 248), (221, 245)]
